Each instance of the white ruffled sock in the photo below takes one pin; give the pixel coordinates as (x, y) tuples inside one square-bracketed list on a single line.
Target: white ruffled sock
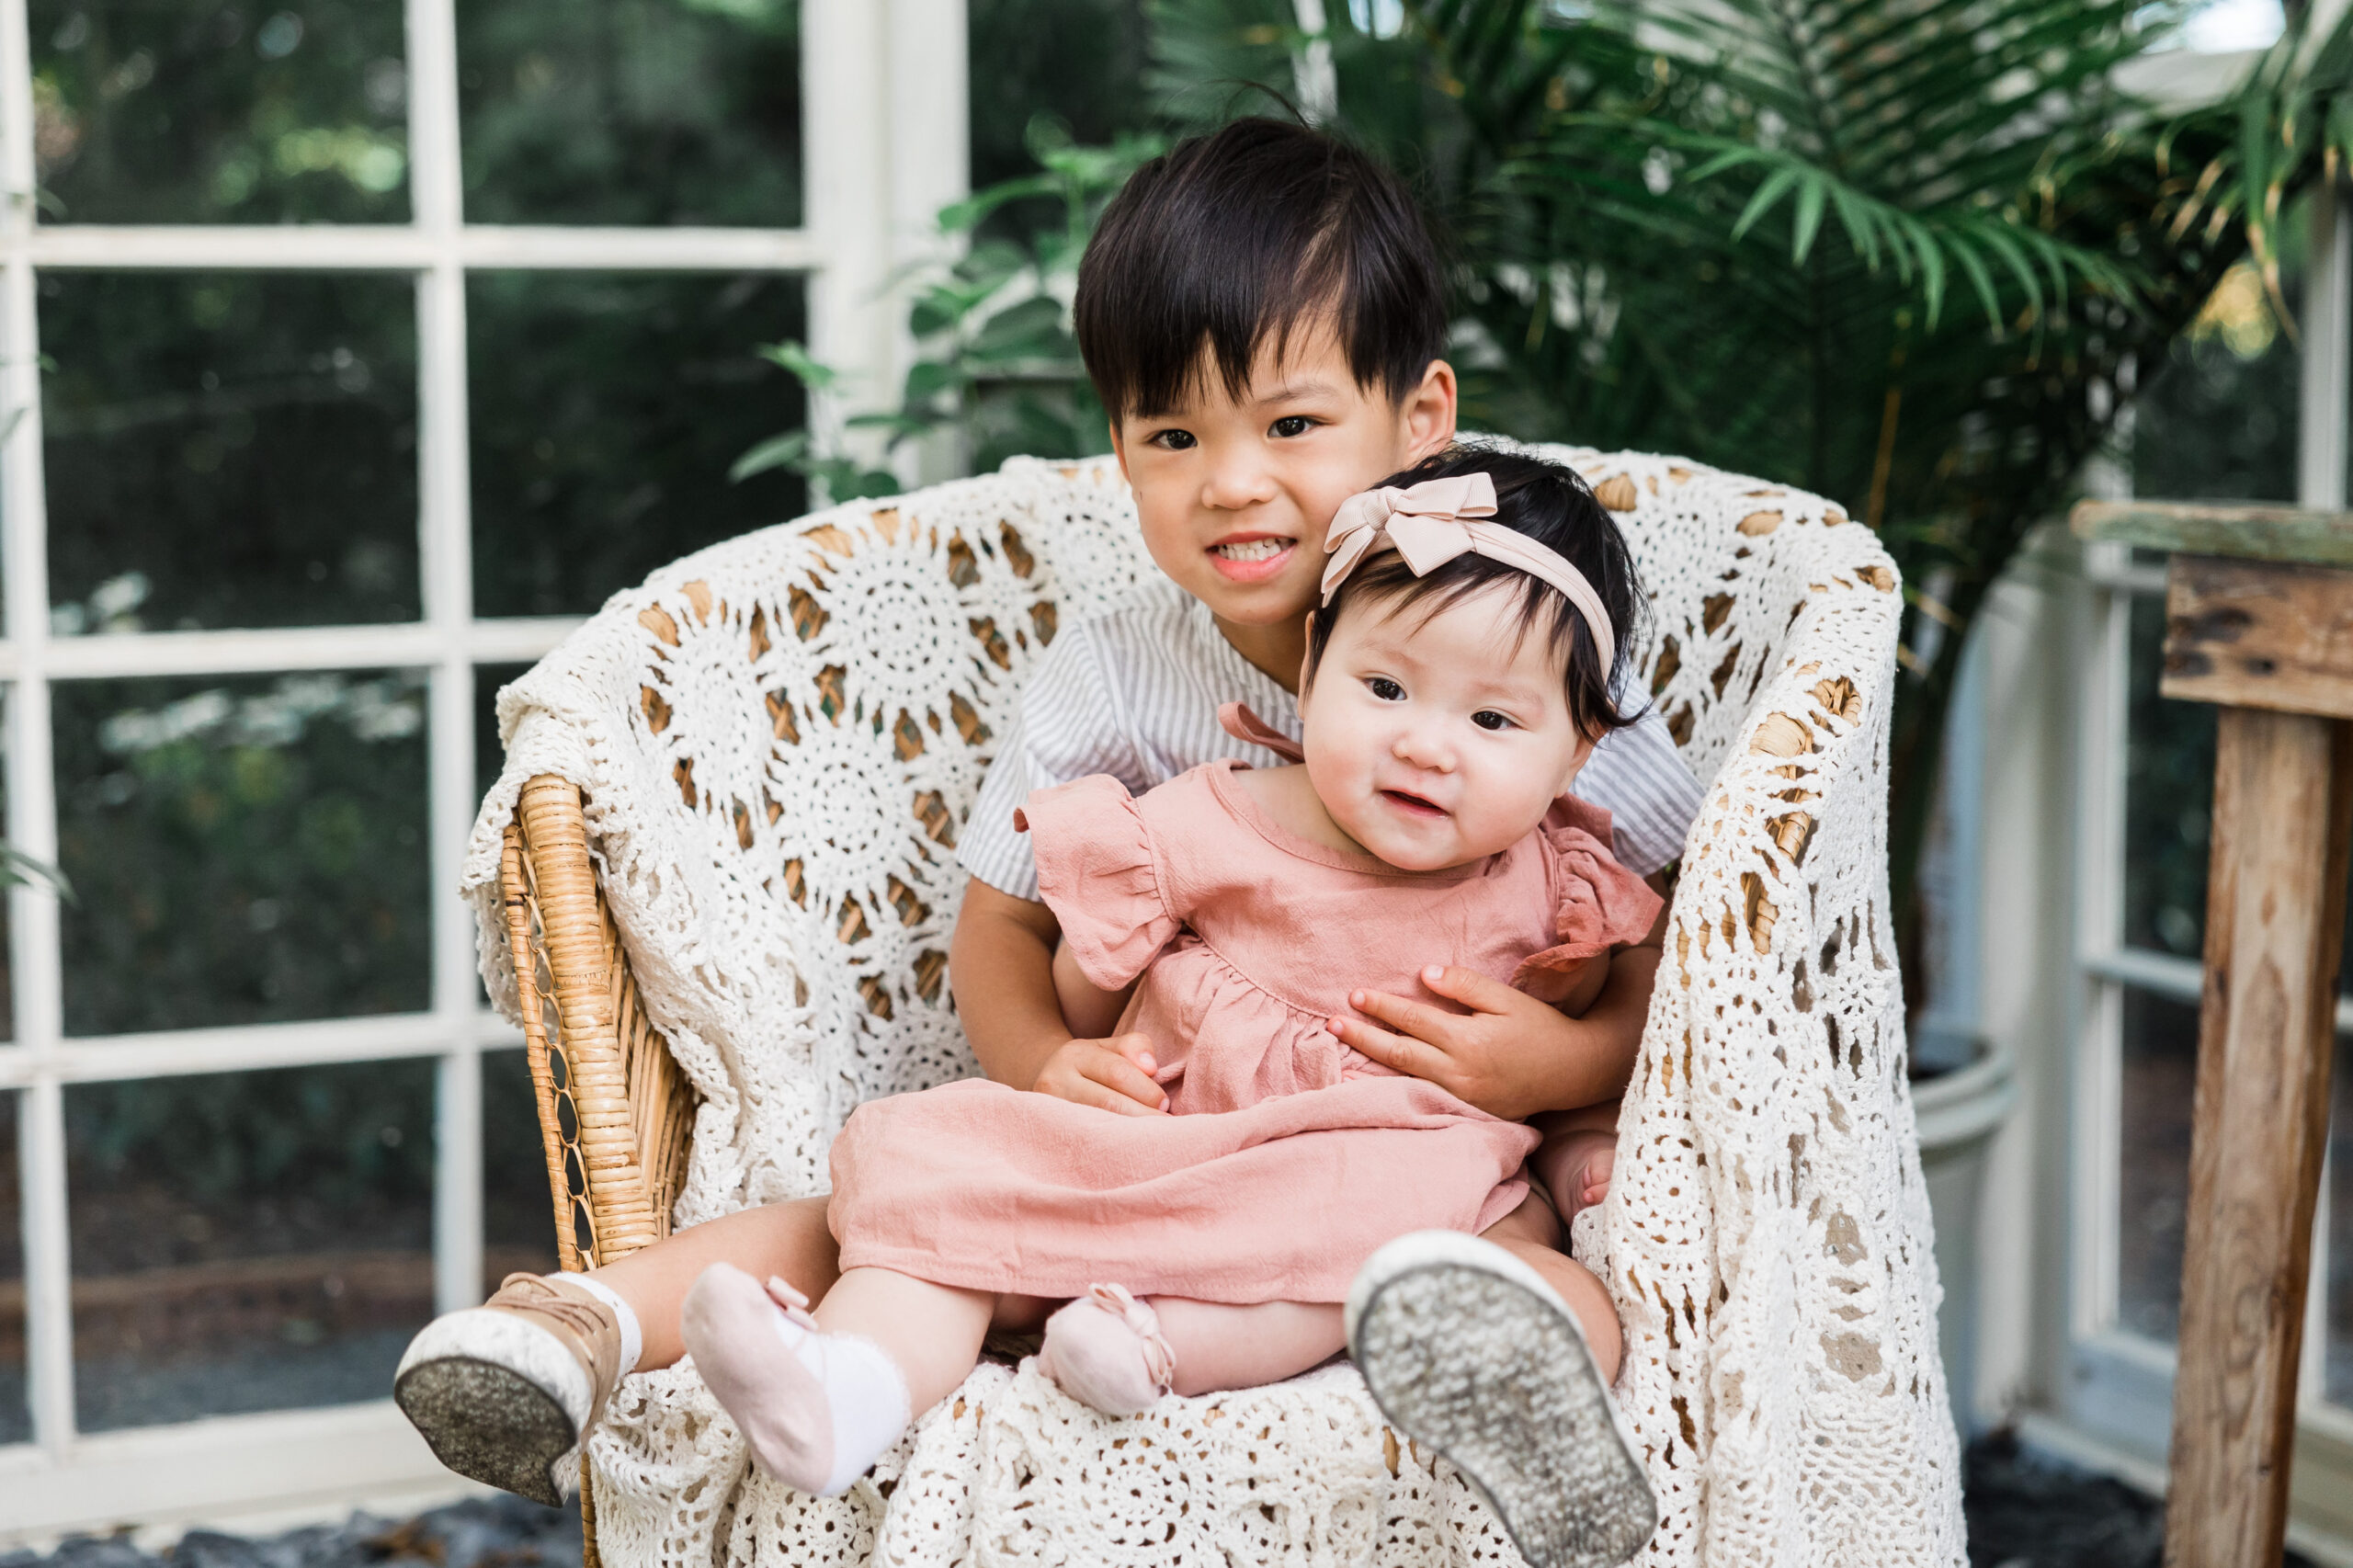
[(817, 1408)]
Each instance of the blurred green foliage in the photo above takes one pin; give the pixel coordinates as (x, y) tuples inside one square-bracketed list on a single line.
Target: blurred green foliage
[(605, 408), (246, 850), (229, 450), (317, 1146), (997, 364), (249, 111), (631, 111)]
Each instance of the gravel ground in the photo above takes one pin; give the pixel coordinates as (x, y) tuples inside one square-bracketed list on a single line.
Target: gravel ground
[(502, 1532), (2026, 1510)]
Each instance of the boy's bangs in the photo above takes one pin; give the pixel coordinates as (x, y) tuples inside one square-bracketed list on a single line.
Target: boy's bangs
[(1256, 237)]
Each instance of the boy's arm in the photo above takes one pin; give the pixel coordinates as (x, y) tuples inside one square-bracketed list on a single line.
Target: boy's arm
[(1001, 968), (1513, 1056)]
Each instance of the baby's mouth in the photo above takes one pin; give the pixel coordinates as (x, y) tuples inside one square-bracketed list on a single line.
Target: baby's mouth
[(1412, 804), (1253, 550)]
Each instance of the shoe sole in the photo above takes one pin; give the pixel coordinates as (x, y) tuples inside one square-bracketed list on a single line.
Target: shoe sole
[(489, 1423), (1547, 1453)]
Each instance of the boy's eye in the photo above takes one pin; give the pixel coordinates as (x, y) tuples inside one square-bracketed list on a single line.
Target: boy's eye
[(1488, 719), (1174, 440), (1292, 425), (1386, 689)]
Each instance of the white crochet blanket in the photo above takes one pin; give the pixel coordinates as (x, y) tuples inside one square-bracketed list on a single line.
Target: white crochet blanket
[(779, 738)]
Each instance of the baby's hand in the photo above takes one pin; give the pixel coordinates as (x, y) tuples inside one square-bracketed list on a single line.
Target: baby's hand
[(1486, 1057), (1111, 1074)]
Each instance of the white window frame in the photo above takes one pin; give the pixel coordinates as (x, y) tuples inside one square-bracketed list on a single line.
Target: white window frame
[(885, 146), (2112, 1396)]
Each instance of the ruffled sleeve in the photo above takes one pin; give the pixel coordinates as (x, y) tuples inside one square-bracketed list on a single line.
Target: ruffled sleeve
[(1601, 903), (1096, 872)]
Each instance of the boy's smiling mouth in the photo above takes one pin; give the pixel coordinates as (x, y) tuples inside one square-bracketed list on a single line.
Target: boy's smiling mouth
[(1250, 558)]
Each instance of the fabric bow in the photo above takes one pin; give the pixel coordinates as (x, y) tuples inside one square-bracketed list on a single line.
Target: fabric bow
[(1424, 521), (1431, 523)]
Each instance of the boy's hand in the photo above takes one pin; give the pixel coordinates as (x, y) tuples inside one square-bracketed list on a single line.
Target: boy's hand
[(1111, 1074), (1491, 1059)]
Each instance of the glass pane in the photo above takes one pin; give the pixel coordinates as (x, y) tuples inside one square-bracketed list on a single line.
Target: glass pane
[(252, 111), (15, 1409), (247, 1241), (606, 411), (229, 450), (2337, 1383), (2160, 1059), (1080, 61), (518, 1215), (631, 111), (245, 850), (2168, 800), (489, 756), (2217, 420)]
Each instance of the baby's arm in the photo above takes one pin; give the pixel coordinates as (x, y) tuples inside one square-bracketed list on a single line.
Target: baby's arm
[(1001, 967)]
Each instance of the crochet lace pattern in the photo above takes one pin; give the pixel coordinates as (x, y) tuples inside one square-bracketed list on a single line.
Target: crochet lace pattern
[(779, 738)]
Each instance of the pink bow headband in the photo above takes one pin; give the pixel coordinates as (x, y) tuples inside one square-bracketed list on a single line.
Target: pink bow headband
[(1431, 523)]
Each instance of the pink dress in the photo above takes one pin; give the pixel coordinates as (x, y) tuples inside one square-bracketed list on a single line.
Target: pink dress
[(1290, 1158)]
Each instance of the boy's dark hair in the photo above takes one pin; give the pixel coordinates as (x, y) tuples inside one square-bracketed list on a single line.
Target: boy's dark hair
[(1553, 506), (1248, 234)]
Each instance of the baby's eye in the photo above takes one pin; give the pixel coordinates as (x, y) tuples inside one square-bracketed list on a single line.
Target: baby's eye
[(1292, 425), (1386, 689), (1174, 440), (1488, 719)]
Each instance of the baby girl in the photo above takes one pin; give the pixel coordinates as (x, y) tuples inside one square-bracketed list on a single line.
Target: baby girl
[(1457, 674)]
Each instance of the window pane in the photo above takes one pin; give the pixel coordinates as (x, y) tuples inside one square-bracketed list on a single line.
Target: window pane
[(2168, 800), (253, 111), (605, 412), (518, 1215), (2217, 420), (2160, 1058), (490, 757), (247, 1241), (2339, 1382), (229, 450), (631, 111), (245, 850), (15, 1409)]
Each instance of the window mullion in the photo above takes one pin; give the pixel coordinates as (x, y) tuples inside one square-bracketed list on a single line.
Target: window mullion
[(437, 190), (36, 979)]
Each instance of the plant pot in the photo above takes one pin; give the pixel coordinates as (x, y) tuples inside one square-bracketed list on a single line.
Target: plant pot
[(1958, 1111)]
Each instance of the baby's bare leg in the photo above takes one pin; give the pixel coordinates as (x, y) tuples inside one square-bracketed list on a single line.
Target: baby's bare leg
[(1530, 1233), (1222, 1346), (789, 1239), (932, 1332)]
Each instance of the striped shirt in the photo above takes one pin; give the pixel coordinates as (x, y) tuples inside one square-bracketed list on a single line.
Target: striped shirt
[(1134, 693)]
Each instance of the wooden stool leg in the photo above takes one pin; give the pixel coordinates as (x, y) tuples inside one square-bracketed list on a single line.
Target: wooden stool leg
[(2275, 915)]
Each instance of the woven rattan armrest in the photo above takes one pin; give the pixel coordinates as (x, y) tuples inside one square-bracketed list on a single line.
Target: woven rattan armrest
[(615, 1111)]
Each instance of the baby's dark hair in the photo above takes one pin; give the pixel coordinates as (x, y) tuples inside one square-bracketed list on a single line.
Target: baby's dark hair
[(1247, 236), (1553, 506)]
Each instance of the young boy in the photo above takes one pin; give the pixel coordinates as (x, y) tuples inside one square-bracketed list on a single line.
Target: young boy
[(1262, 313)]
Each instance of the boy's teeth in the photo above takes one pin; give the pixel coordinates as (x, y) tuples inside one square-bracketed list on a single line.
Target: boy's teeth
[(1255, 549)]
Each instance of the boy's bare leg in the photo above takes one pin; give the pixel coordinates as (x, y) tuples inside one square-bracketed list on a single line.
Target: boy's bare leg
[(789, 1241), (1530, 1233)]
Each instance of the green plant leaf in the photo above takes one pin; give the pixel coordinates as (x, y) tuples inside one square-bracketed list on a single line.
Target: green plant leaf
[(788, 450)]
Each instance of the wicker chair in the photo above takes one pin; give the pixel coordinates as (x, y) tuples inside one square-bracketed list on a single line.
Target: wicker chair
[(715, 883)]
